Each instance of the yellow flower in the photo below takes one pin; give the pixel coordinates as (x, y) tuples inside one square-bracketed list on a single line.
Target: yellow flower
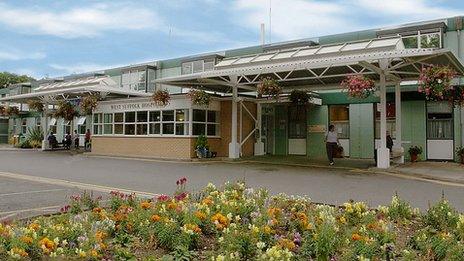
[(342, 220), (34, 226), (47, 245), (286, 243), (94, 253), (100, 235)]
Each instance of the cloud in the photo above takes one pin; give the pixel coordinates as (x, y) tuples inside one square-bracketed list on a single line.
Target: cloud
[(88, 21), (410, 9), (293, 19), (17, 55)]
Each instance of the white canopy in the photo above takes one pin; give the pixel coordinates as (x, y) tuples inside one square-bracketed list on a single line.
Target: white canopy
[(102, 85), (320, 67)]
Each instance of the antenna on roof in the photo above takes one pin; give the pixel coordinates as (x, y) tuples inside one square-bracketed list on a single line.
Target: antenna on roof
[(263, 32), (270, 21)]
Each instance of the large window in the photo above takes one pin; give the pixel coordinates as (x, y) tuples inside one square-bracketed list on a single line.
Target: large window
[(134, 79), (423, 40), (391, 120), (66, 127), (160, 122), (339, 117)]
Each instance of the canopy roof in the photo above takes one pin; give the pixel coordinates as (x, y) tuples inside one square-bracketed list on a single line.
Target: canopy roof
[(319, 67), (52, 92)]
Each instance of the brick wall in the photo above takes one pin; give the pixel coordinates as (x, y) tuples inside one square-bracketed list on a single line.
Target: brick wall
[(179, 147), (154, 147)]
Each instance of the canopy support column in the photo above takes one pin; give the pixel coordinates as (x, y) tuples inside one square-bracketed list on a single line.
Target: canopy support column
[(259, 144), (234, 146), (399, 142), (383, 153), (45, 127)]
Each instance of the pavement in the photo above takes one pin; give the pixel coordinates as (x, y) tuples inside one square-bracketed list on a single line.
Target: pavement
[(57, 175), (442, 171)]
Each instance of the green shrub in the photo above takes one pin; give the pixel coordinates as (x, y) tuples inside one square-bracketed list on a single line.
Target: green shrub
[(442, 216)]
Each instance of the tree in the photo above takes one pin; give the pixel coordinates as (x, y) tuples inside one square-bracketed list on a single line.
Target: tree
[(7, 78)]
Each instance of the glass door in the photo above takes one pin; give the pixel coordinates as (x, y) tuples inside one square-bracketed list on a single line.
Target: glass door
[(297, 130)]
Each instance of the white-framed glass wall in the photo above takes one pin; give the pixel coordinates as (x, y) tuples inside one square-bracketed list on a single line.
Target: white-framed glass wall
[(162, 122)]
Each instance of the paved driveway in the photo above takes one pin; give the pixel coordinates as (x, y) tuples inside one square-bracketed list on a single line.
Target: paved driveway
[(156, 177)]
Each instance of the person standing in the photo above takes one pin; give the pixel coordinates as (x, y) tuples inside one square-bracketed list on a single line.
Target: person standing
[(76, 139), (87, 140), (331, 143)]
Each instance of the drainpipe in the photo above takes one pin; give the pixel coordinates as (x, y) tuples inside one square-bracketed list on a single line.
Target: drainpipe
[(458, 22)]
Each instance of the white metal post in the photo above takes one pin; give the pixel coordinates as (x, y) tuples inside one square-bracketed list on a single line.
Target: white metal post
[(259, 144), (383, 154), (45, 127), (234, 146), (399, 141)]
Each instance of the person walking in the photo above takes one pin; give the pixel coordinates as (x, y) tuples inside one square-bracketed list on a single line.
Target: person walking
[(331, 143), (87, 140)]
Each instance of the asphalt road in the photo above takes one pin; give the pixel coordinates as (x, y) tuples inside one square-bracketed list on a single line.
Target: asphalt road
[(158, 177)]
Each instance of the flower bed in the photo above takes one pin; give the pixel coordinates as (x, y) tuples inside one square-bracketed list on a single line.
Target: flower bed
[(236, 223)]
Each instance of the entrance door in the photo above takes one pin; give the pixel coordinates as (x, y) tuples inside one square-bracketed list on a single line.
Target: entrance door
[(267, 129), (3, 131), (440, 142), (297, 130)]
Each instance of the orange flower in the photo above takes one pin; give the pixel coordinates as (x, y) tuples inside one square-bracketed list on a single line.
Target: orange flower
[(220, 220), (356, 237), (372, 226), (46, 244), (145, 205), (200, 215), (27, 239), (273, 212), (102, 246), (207, 201), (96, 210), (155, 218), (34, 226), (100, 235), (286, 243), (195, 228)]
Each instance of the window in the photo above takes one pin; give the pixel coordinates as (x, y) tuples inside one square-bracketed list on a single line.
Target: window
[(134, 79), (53, 125), (423, 40), (119, 123), (339, 117), (97, 124), (296, 122), (66, 127), (197, 66), (391, 120), (23, 126), (439, 121), (205, 123), (81, 125), (107, 123), (38, 123), (168, 122)]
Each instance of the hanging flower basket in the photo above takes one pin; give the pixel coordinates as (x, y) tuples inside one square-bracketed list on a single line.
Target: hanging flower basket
[(269, 88), (199, 97), (456, 96), (358, 86), (298, 97), (66, 111), (161, 97), (12, 111), (35, 105), (2, 110), (88, 104), (435, 82)]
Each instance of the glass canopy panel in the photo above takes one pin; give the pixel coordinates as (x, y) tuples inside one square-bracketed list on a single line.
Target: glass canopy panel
[(264, 57), (283, 55), (355, 46), (330, 49), (306, 52)]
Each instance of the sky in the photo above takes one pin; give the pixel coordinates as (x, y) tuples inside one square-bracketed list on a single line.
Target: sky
[(56, 38)]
